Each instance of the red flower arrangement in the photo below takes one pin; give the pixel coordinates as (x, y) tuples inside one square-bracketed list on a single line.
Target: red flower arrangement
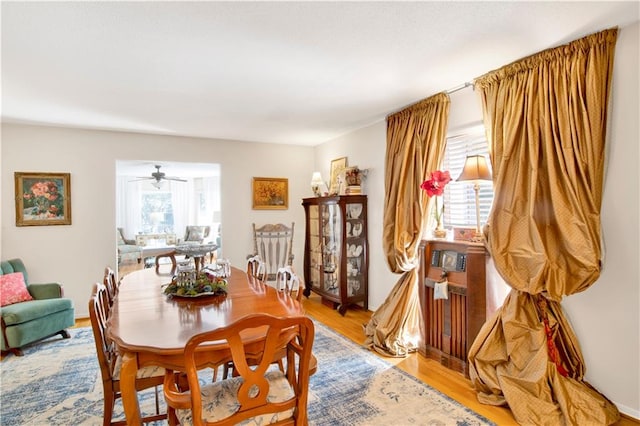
[(434, 187)]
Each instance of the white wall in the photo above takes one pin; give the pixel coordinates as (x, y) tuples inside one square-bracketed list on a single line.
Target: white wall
[(76, 255)]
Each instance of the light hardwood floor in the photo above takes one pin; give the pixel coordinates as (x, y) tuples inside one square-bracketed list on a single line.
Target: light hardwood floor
[(449, 382)]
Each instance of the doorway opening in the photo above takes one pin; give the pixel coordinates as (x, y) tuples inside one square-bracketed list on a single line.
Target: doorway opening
[(156, 202)]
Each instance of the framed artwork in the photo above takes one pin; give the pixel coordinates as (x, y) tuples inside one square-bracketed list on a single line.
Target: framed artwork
[(270, 193), (43, 198), (337, 166)]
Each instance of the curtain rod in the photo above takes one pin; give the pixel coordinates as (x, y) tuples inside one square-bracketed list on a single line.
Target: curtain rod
[(460, 87)]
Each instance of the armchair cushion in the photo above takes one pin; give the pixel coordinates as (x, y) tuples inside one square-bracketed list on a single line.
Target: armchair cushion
[(196, 233), (19, 313), (13, 289)]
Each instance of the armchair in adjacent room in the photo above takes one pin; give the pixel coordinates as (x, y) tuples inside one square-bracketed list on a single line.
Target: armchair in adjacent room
[(196, 234), (127, 249)]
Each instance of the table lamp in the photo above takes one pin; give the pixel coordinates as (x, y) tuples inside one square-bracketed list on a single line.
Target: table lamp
[(317, 184), (476, 169)]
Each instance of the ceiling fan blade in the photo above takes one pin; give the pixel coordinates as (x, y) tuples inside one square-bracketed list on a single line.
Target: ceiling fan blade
[(174, 178), (139, 178)]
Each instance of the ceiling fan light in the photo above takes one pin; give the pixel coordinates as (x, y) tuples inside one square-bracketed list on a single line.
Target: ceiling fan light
[(158, 184)]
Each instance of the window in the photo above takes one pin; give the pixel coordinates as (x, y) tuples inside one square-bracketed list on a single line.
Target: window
[(459, 197), (156, 212)]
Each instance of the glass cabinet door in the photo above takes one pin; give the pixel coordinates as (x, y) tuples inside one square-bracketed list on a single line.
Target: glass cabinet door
[(331, 224), (355, 249), (315, 246)]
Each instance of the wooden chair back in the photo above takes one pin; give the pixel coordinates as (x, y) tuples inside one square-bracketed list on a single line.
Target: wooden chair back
[(274, 244), (108, 359), (111, 283), (255, 387), (288, 282), (256, 268)]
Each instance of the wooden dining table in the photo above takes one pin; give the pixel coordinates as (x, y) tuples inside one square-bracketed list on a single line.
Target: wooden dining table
[(150, 328)]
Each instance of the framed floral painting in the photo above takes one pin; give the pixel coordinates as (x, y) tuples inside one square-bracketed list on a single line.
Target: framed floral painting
[(43, 198), (270, 193)]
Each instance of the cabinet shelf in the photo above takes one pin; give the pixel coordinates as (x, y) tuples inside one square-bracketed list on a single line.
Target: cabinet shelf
[(336, 257)]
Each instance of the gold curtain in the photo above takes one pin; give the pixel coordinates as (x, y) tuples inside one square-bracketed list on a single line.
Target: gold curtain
[(546, 119), (415, 146)]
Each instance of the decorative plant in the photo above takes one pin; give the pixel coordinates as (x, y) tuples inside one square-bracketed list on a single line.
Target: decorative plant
[(355, 175), (435, 187), (206, 282)]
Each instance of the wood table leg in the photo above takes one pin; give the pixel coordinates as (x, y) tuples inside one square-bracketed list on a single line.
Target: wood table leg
[(128, 388), (171, 255)]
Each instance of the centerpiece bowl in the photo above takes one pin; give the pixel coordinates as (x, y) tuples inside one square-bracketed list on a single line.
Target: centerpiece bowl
[(205, 283)]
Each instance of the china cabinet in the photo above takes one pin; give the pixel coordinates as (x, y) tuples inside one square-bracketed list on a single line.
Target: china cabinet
[(336, 258)]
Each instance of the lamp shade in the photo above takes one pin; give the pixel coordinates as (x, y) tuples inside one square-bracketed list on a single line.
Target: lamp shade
[(316, 179), (475, 168), (157, 184)]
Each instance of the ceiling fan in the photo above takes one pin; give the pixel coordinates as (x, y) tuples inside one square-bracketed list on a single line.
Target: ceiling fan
[(158, 177)]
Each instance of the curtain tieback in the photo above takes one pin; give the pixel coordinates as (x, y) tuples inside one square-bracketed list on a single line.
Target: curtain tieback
[(554, 355)]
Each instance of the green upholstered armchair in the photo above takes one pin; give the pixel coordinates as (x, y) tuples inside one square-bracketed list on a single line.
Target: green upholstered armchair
[(26, 322), (127, 249)]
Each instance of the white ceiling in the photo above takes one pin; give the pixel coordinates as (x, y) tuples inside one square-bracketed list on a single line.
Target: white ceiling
[(282, 72), (144, 168)]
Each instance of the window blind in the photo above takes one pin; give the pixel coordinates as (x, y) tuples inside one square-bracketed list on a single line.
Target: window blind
[(459, 197)]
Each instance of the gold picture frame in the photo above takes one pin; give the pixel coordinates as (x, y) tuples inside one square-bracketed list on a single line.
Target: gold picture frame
[(337, 166), (270, 193), (42, 199)]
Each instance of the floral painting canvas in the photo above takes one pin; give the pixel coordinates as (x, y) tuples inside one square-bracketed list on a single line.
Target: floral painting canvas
[(270, 193), (43, 198)]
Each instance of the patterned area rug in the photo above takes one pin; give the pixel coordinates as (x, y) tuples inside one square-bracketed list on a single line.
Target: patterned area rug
[(58, 382)]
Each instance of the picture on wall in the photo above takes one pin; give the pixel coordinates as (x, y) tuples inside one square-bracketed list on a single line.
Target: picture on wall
[(43, 198), (337, 166), (270, 193)]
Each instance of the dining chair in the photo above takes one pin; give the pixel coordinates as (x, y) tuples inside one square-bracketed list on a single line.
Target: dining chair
[(259, 391), (110, 361), (274, 244), (256, 268), (291, 287), (287, 281), (110, 283)]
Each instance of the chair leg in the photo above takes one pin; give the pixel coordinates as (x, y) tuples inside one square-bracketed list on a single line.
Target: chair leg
[(155, 391), (15, 351), (171, 416), (65, 334), (109, 402)]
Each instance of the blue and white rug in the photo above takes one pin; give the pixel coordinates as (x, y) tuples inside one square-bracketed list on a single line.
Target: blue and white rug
[(58, 382)]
